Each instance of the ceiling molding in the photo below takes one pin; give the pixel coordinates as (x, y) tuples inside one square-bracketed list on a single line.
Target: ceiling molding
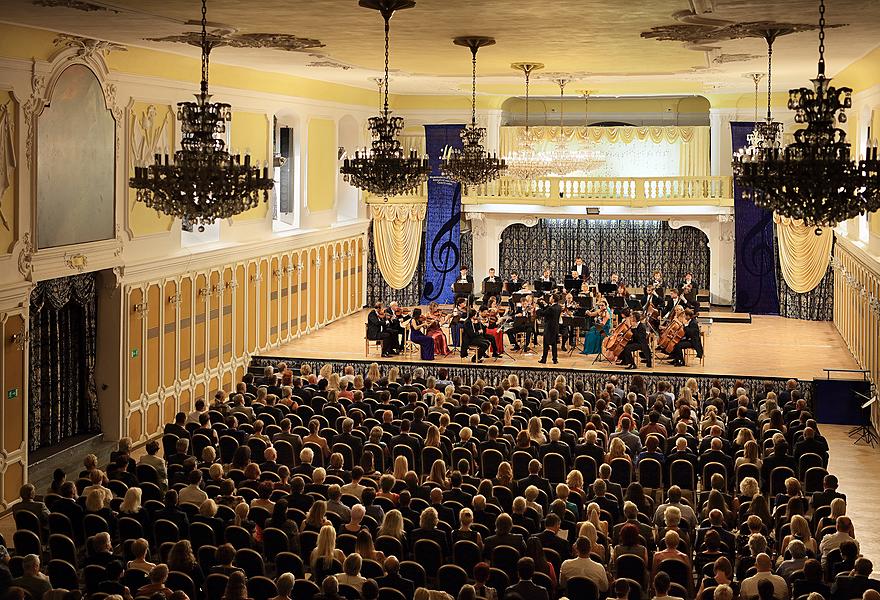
[(227, 37)]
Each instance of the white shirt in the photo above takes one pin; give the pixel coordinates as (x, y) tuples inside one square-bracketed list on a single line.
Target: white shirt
[(192, 494), (749, 586), (833, 541), (584, 567)]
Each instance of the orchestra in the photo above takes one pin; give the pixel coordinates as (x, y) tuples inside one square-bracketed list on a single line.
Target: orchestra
[(615, 322)]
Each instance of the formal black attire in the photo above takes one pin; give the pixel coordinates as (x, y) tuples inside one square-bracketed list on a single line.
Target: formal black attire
[(639, 341), (470, 297), (581, 271), (551, 315), (671, 303), (474, 334), (520, 325), (691, 339), (379, 329)]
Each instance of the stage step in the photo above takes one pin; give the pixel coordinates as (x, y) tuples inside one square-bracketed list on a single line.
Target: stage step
[(722, 316), (67, 455)]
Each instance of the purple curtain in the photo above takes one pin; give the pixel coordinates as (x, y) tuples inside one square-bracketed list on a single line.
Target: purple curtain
[(756, 290)]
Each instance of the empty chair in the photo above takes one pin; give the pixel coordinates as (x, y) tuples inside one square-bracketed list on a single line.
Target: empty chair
[(62, 574), (27, 542), (489, 461), (215, 585), (94, 524), (178, 581), (621, 472), (129, 529), (95, 574), (582, 588), (60, 523), (201, 534), (133, 579), (414, 571), (288, 562), (678, 572), (554, 467), (650, 473), (147, 473), (428, 554), (681, 473), (274, 542), (250, 561), (389, 546), (165, 531), (451, 578), (261, 588), (62, 547), (25, 519), (239, 537), (304, 589), (387, 593), (505, 558), (466, 554), (630, 566)]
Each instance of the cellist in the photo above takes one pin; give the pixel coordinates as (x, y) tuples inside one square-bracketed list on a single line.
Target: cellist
[(691, 339), (639, 341)]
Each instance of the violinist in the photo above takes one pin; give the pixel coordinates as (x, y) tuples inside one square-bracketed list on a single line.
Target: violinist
[(691, 339), (494, 322), (418, 327), (547, 278), (378, 324), (602, 318), (638, 342), (657, 279), (436, 319), (690, 296), (459, 314), (474, 334), (398, 316), (570, 308), (523, 322)]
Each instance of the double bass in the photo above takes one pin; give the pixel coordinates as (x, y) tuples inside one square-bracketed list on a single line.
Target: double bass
[(671, 335), (617, 340)]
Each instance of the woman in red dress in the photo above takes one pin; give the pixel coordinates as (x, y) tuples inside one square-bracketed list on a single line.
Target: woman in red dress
[(494, 322), (436, 320)]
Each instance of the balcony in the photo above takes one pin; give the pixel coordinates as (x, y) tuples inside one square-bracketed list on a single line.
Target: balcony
[(633, 192)]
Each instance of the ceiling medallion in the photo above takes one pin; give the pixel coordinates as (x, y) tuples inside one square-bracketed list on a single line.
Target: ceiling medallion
[(472, 165), (232, 39), (202, 182), (385, 169), (702, 35), (814, 179), (73, 4)]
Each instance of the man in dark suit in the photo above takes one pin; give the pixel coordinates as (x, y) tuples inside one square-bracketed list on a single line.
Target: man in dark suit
[(652, 297), (579, 270), (639, 341), (525, 588), (474, 334), (489, 282), (503, 537), (716, 523), (533, 478), (672, 301), (406, 438), (551, 314), (557, 446), (828, 494), (856, 582), (465, 277), (606, 502), (177, 428), (355, 442), (549, 537), (68, 506), (591, 447), (455, 493), (691, 339), (392, 578), (779, 458), (378, 329), (28, 504), (810, 444)]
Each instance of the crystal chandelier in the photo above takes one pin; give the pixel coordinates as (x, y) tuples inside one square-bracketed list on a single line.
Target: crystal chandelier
[(384, 169), (593, 159), (814, 179), (565, 160), (203, 182), (471, 165), (524, 162)]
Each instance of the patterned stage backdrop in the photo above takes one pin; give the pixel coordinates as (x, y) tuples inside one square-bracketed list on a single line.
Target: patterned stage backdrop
[(756, 287), (378, 289), (442, 231), (815, 305), (633, 249)]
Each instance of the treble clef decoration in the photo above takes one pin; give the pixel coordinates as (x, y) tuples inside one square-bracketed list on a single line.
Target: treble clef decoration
[(444, 251)]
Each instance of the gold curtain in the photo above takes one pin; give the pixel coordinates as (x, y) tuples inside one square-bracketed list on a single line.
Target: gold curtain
[(694, 141), (803, 255), (397, 237)]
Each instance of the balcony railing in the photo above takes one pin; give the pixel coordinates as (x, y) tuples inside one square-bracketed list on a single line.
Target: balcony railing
[(591, 191), (632, 191)]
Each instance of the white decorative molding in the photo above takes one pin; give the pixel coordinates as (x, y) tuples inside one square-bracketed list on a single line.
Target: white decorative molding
[(25, 257), (86, 48), (76, 261)]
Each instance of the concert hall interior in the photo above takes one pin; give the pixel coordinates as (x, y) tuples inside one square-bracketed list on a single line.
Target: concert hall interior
[(439, 299)]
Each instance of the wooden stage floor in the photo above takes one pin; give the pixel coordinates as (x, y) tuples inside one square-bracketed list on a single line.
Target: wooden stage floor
[(766, 347)]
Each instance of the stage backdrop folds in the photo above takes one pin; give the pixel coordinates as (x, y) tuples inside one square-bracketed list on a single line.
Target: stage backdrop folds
[(756, 290), (442, 246), (633, 249)]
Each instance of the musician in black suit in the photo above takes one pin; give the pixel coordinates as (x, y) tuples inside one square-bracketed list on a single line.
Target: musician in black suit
[(551, 313), (652, 297), (474, 334), (491, 280), (691, 339), (639, 341), (689, 280), (546, 277), (579, 270), (511, 287), (465, 277), (672, 301), (522, 323), (690, 295), (378, 329)]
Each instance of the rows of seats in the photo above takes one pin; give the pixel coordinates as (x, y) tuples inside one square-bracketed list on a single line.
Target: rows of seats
[(395, 485)]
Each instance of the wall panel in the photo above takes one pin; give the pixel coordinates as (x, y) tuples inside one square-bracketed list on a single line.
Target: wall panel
[(135, 345), (170, 300), (263, 305), (186, 327), (200, 316), (151, 351), (214, 303)]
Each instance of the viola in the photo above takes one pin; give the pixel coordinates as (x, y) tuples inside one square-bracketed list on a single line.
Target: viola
[(617, 340), (671, 335)]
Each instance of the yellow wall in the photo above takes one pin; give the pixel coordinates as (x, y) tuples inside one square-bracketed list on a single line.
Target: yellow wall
[(862, 74), (7, 201), (14, 418), (249, 134), (201, 327), (321, 157), (142, 220)]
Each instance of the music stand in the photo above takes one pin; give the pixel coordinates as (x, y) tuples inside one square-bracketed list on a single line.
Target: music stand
[(585, 301), (633, 303), (492, 289), (543, 286), (616, 302), (572, 284), (579, 323), (608, 288), (865, 432), (463, 289)]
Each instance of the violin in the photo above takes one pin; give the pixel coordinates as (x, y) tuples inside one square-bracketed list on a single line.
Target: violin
[(399, 311), (617, 340)]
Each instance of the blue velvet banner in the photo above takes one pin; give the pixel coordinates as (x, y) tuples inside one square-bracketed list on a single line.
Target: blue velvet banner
[(756, 290), (442, 231)]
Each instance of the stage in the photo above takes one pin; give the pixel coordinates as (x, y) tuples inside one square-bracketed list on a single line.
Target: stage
[(764, 347)]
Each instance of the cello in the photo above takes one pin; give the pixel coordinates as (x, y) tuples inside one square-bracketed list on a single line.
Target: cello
[(617, 340), (671, 335)]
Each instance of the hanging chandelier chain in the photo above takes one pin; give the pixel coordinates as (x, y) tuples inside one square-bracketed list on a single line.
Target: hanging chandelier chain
[(769, 76), (387, 18), (822, 37), (756, 78), (528, 72), (206, 48), (562, 83), (474, 85)]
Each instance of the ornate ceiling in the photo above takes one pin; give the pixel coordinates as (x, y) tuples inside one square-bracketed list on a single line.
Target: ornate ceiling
[(610, 46)]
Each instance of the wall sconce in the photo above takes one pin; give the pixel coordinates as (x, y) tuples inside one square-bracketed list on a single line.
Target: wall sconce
[(300, 267), (318, 263), (256, 278), (204, 291), (20, 338), (348, 254), (232, 284), (175, 299), (278, 273), (290, 268), (140, 309)]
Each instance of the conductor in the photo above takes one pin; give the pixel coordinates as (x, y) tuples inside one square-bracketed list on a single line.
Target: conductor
[(551, 314)]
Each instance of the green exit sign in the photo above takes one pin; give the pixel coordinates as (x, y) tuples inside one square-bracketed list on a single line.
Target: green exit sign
[(13, 393), (134, 352)]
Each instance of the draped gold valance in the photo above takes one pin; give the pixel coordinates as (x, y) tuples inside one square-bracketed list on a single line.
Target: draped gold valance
[(693, 141), (397, 238), (803, 255)]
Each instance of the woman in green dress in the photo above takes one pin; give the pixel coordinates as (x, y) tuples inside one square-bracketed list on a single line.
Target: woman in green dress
[(600, 329)]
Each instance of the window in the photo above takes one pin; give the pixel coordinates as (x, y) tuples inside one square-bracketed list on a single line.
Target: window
[(284, 207)]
